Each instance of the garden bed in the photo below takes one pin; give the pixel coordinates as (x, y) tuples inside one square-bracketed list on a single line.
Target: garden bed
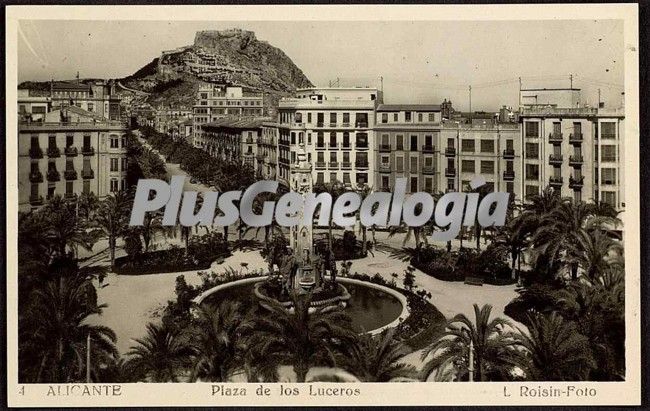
[(163, 261)]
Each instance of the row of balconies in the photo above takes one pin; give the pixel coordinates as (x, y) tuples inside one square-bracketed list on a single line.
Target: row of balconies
[(574, 182), (37, 200), (574, 138), (344, 165), (54, 152), (54, 175), (386, 168), (358, 124), (335, 146), (557, 159)]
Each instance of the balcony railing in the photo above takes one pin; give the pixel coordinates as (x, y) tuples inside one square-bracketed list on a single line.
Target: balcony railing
[(362, 144), (320, 164), (88, 174), (36, 200), (450, 151), (346, 165), (575, 138), (53, 175), (70, 196), (345, 124), (70, 174), (36, 152), (555, 137), (332, 124), (320, 124), (333, 146), (450, 172), (88, 151), (334, 165), (361, 164), (428, 170), (575, 160), (508, 153), (384, 168), (36, 177), (320, 146), (555, 159), (71, 151), (508, 175), (555, 181), (53, 152), (346, 146), (361, 124), (384, 148), (576, 182), (428, 148)]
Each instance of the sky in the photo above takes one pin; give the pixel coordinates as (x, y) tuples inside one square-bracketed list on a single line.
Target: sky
[(420, 62)]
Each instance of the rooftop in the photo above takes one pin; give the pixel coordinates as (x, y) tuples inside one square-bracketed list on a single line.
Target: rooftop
[(238, 124), (408, 107)]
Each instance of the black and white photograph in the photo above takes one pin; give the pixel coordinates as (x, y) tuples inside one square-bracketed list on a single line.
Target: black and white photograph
[(323, 203)]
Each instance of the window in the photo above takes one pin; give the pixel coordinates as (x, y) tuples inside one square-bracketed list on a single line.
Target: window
[(509, 144), (450, 143), (414, 184), (51, 191), (86, 187), (428, 184), (407, 116), (51, 141), (385, 185), (69, 187), (115, 185), (34, 142), (91, 107), (115, 142), (532, 129), (333, 139), (608, 175), (419, 117), (332, 118), (395, 117), (414, 143), (34, 188), (69, 141), (414, 165), (467, 166), (399, 142), (362, 178), (609, 197), (532, 150), (125, 164), (557, 128), (385, 140), (114, 164), (432, 117), (450, 184), (332, 177), (399, 164), (467, 146), (320, 157), (428, 140), (487, 167), (69, 165), (346, 139), (510, 187), (532, 172), (532, 191), (346, 178), (308, 117), (608, 153), (332, 157), (346, 118), (34, 167), (385, 160), (487, 146), (320, 140), (608, 130), (384, 118)]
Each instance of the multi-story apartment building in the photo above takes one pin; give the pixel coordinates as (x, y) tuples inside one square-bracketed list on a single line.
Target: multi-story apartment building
[(407, 143), (578, 150), (253, 142), (68, 151), (490, 149), (335, 125), (216, 101), (95, 97)]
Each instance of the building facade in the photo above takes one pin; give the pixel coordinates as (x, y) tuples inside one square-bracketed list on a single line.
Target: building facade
[(336, 127), (67, 152), (214, 102)]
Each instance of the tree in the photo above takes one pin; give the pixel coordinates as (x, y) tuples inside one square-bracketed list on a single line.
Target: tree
[(494, 354), (111, 220), (364, 191), (87, 203), (151, 224), (63, 229), (300, 338), (378, 358), (594, 252), (409, 278), (159, 356), (555, 350), (54, 328), (215, 340)]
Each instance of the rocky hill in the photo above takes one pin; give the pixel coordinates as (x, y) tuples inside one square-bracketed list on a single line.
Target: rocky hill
[(233, 57)]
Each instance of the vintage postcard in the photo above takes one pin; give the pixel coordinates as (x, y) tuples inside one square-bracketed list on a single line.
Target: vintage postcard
[(323, 205)]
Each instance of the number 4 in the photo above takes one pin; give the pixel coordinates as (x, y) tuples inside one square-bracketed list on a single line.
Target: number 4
[(21, 391)]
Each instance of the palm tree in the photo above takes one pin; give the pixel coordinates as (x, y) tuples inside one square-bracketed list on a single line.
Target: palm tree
[(300, 338), (111, 219), (493, 347), (87, 203), (594, 252), (377, 358), (364, 190), (215, 341), (54, 329), (555, 350), (269, 230), (63, 229), (160, 356), (151, 224)]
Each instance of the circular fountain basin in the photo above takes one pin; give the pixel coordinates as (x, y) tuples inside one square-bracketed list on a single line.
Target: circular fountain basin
[(372, 307)]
